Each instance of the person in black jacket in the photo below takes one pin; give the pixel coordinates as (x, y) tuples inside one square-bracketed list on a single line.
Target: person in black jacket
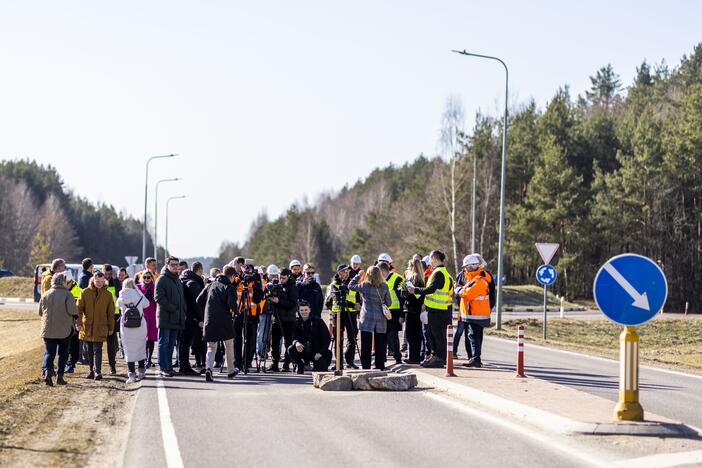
[(310, 341), (309, 290), (414, 276), (284, 310), (193, 284), (220, 302), (86, 273)]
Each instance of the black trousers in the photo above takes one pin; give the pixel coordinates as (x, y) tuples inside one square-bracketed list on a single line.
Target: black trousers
[(251, 329), (94, 355), (438, 323), (276, 335), (113, 344), (199, 347), (302, 358), (74, 349), (393, 338), (349, 327), (475, 336), (461, 329), (184, 343), (367, 349), (413, 334)]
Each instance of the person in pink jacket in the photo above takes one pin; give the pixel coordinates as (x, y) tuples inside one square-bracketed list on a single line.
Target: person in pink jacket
[(146, 286)]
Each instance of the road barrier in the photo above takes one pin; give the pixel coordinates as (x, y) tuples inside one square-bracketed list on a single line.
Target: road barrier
[(449, 351), (520, 351)]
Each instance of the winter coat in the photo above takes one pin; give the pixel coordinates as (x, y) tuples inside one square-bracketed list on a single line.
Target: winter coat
[(84, 279), (372, 317), (313, 294), (193, 285), (220, 302), (57, 309), (285, 309), (149, 311), (133, 339), (97, 314), (46, 281), (313, 333), (170, 301)]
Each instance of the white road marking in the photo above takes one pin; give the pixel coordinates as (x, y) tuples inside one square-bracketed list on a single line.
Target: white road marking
[(663, 460), (526, 431), (170, 441)]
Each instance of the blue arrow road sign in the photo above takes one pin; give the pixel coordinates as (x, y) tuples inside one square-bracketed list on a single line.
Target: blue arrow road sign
[(630, 289), (546, 275)]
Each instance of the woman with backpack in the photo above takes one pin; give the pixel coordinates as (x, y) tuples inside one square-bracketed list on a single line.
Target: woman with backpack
[(146, 287), (133, 327)]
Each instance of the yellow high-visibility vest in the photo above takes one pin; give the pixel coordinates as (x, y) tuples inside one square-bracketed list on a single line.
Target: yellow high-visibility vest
[(392, 281), (441, 299)]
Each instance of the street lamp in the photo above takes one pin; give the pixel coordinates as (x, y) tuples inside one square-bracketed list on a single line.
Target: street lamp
[(156, 216), (168, 203), (146, 198), (500, 251)]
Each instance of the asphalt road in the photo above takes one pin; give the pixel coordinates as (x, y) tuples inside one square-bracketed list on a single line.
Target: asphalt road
[(19, 305), (281, 420), (667, 393)]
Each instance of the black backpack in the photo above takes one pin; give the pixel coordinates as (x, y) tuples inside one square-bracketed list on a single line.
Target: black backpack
[(491, 288), (132, 317)]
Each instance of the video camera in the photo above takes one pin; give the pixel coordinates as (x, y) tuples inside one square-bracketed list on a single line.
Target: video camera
[(274, 289), (248, 273)]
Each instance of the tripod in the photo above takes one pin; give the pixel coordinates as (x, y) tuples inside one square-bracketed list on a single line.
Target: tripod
[(245, 308)]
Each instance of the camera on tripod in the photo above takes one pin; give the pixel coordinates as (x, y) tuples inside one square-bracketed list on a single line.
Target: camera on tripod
[(274, 289)]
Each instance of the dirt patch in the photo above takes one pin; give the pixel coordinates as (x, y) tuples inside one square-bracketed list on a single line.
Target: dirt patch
[(16, 286), (81, 424), (675, 342)]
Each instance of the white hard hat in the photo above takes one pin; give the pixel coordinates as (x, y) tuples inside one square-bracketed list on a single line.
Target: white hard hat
[(472, 259), (356, 259), (69, 276), (383, 257), (295, 263), (273, 269), (260, 270), (426, 260)]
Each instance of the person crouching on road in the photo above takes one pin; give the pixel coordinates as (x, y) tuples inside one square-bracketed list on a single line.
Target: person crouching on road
[(374, 322), (220, 305), (57, 309), (475, 305), (310, 341), (97, 319), (133, 328)]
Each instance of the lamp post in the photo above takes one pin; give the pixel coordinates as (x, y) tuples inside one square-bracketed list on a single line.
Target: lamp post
[(146, 202), (501, 245), (156, 216), (168, 202)]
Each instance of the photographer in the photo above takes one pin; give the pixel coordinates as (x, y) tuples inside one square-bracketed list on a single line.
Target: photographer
[(309, 290), (310, 341), (341, 300), (283, 306), (249, 293)]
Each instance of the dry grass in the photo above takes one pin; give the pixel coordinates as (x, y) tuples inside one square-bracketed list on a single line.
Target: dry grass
[(16, 286), (674, 342), (530, 296), (53, 426)]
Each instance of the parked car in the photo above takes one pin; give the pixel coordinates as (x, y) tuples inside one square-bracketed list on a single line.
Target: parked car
[(4, 273), (74, 268)]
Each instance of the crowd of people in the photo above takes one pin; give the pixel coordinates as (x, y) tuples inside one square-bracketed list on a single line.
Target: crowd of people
[(238, 317)]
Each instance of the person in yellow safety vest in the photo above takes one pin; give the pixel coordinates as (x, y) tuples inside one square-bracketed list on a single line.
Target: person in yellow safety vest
[(113, 286), (438, 300), (475, 306), (341, 300), (246, 319), (396, 285)]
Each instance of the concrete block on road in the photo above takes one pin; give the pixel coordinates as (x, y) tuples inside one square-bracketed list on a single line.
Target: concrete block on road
[(334, 383), (318, 377), (360, 379), (394, 382)]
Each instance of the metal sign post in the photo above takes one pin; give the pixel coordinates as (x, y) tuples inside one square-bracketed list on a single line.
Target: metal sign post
[(546, 275)]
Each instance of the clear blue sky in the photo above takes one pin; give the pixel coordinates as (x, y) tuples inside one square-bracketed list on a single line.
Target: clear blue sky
[(267, 102)]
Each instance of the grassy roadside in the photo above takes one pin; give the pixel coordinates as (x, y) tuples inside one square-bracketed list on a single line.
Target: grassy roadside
[(673, 342), (76, 425), (16, 286)]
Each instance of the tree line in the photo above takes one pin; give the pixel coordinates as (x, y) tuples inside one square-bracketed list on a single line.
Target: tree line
[(616, 169), (40, 220)]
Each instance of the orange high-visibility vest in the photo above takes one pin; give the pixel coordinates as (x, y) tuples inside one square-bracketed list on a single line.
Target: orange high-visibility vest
[(475, 298), (239, 293)]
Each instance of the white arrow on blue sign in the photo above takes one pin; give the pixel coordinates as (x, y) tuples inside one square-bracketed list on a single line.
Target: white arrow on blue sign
[(546, 275), (630, 289)]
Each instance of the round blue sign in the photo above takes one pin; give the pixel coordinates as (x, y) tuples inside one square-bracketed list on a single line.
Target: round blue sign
[(546, 275), (630, 289)]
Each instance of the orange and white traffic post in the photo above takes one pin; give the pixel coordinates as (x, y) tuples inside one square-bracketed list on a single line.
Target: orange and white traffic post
[(449, 352), (520, 351)]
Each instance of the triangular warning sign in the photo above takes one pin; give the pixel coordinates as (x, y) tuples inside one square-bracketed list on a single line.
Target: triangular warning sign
[(546, 251)]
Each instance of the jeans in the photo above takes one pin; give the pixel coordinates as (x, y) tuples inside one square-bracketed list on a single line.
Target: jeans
[(228, 351), (460, 329), (132, 368), (51, 346), (94, 355), (263, 335), (367, 349), (166, 342)]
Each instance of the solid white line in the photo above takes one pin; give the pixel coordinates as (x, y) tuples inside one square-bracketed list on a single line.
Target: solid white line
[(635, 378), (599, 358), (528, 432), (664, 459), (170, 441), (627, 367)]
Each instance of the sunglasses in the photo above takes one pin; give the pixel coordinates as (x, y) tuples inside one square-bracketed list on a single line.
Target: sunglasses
[(146, 277), (309, 273)]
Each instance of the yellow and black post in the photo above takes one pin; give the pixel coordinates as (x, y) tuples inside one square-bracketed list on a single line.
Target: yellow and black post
[(628, 408)]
